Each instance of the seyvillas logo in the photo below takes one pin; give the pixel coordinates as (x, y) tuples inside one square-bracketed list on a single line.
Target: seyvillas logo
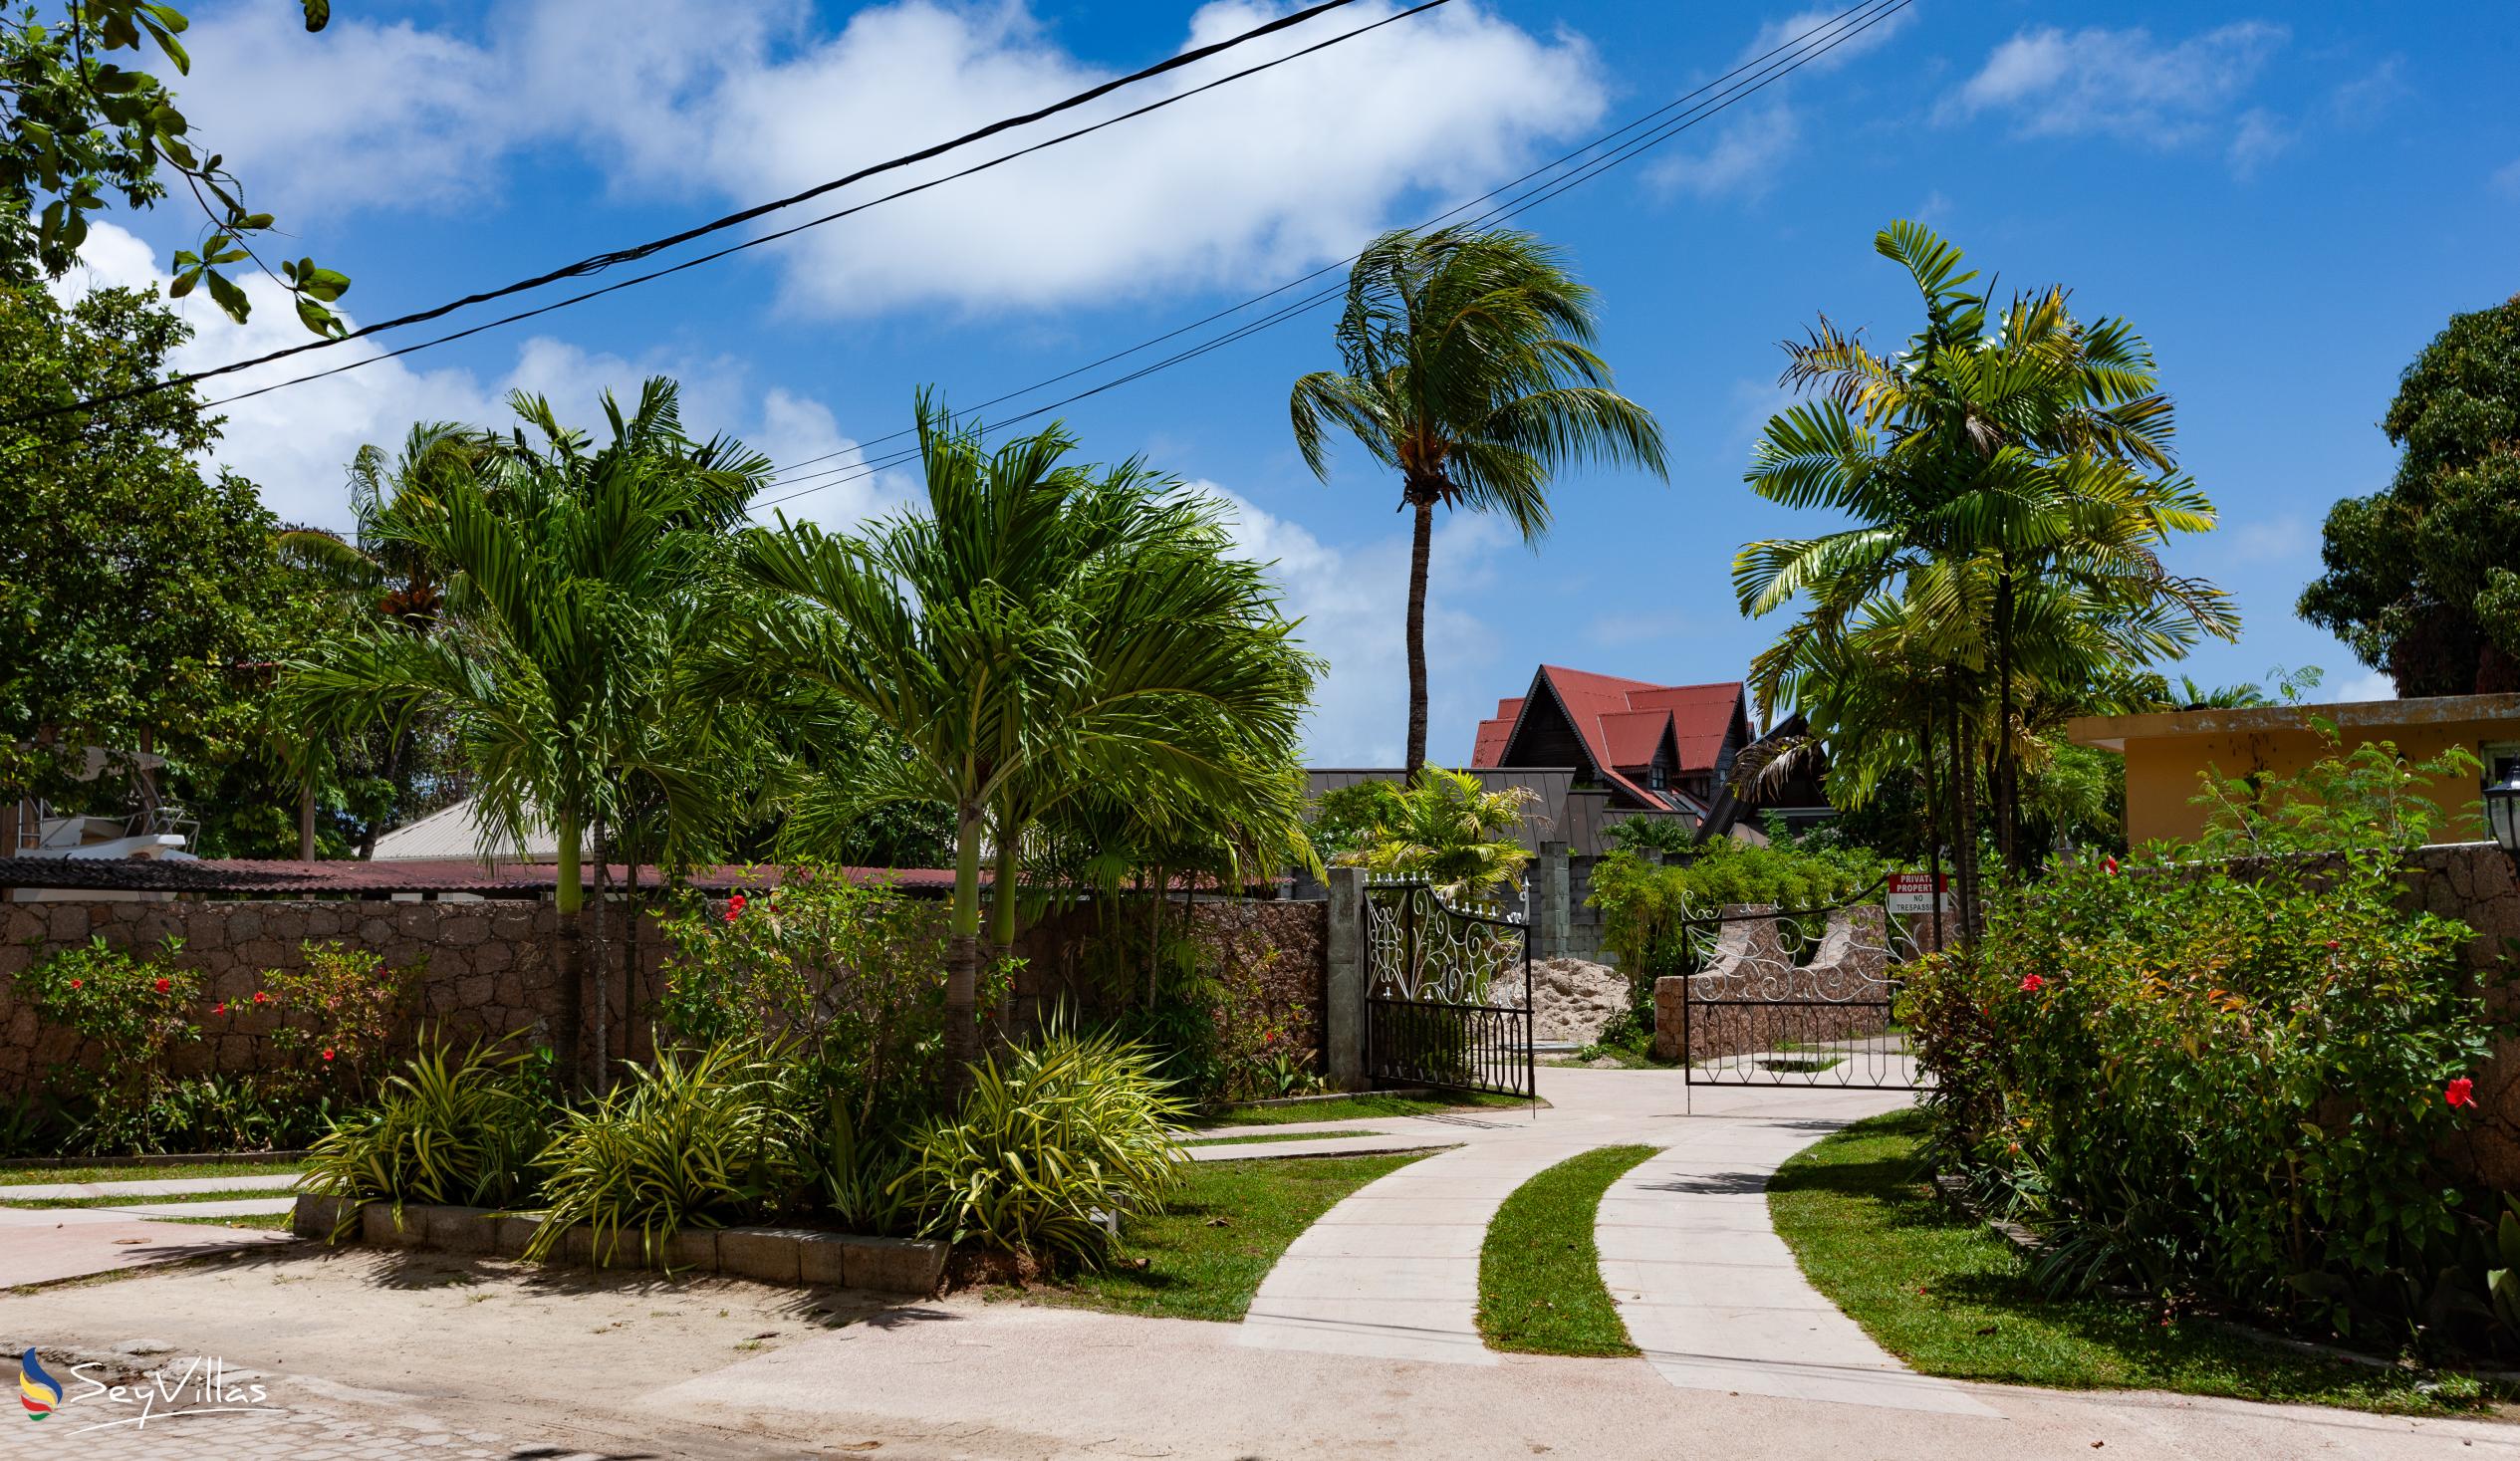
[(38, 1391)]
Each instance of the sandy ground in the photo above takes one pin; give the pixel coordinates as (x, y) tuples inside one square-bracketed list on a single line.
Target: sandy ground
[(433, 1354)]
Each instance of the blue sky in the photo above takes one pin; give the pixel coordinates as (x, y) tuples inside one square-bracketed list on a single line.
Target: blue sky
[(2287, 200)]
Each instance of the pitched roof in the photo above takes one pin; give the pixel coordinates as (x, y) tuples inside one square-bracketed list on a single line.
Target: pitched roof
[(1621, 721)]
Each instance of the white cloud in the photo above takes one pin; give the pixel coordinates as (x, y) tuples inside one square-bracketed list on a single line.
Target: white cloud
[(1743, 160), (1750, 149), (1351, 599), (296, 443), (2261, 136), (2370, 685), (708, 103), (2123, 84), (2289, 536), (2506, 179), (2364, 100)]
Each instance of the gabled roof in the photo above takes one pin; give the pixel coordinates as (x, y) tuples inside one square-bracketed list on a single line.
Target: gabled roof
[(1621, 722)]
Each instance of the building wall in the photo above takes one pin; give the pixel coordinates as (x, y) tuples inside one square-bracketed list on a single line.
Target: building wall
[(2162, 772)]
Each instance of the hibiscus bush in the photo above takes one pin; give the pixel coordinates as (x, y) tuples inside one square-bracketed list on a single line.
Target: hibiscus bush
[(2233, 1080), (338, 1014)]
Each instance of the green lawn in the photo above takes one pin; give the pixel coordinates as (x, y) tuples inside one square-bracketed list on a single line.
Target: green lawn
[(1270, 1137), (1205, 1255), (1540, 1276), (1353, 1107), (1939, 1291), (265, 1220), (47, 1202), (135, 1172)]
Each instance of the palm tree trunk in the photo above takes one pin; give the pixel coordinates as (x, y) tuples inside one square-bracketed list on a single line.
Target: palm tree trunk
[(1420, 544), (1934, 825), (962, 955), (601, 963), (567, 896), (2006, 781), (630, 948), (1003, 915)]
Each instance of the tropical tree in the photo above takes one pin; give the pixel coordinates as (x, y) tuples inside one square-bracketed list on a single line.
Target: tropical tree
[(2009, 475), (1467, 366), (575, 577), (2422, 579), (1041, 631), (1448, 829)]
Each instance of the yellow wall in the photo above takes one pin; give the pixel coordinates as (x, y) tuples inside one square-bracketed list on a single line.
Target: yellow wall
[(2161, 771)]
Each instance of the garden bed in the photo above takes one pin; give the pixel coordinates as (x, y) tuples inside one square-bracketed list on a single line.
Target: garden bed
[(796, 1256)]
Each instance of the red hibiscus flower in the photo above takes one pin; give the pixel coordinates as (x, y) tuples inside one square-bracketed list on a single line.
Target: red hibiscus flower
[(734, 907), (2111, 864), (162, 985), (2461, 1092), (78, 983), (2032, 984), (328, 1054), (2332, 943), (260, 997), (220, 1009)]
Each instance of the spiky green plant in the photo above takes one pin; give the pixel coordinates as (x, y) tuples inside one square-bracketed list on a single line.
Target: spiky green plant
[(1050, 1136), (446, 1129)]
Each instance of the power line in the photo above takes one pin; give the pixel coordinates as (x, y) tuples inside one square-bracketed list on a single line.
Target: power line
[(599, 262), (1767, 70)]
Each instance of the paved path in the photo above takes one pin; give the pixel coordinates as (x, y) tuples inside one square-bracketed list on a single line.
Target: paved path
[(1705, 1287), (44, 1245)]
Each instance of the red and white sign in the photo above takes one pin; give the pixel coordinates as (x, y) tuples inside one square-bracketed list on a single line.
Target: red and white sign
[(1914, 892)]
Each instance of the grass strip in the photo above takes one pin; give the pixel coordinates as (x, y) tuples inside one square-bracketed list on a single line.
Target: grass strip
[(1354, 1107), (134, 1172), (133, 1199), (1540, 1274), (1205, 1254), (1273, 1137), (1942, 1292)]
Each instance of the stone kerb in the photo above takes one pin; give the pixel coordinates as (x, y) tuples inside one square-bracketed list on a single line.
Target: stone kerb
[(906, 1265)]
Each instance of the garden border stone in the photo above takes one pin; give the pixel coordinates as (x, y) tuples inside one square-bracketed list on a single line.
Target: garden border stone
[(793, 1256)]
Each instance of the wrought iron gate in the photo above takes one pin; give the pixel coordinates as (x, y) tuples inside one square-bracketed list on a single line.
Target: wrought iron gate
[(1797, 997), (1440, 982)]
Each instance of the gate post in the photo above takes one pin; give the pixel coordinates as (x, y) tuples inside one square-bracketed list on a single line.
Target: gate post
[(1343, 990), (1552, 913)]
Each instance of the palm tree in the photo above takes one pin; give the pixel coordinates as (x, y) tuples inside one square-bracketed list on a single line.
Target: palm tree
[(572, 574), (1041, 631), (1467, 368), (2022, 443), (1448, 829)]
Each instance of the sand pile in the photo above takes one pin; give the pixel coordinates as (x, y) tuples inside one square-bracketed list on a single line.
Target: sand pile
[(1573, 999)]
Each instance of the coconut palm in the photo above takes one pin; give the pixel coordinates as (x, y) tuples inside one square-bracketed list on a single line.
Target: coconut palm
[(1467, 366), (1042, 629), (574, 575)]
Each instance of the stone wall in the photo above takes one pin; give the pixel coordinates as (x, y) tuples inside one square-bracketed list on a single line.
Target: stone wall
[(486, 969), (1278, 948), (2473, 883), (1728, 1010)]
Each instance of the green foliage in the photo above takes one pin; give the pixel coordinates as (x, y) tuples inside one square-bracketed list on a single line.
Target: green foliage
[(132, 1011), (338, 1009), (131, 586), (1448, 830), (707, 1137), (1669, 835), (1343, 818), (85, 133), (2420, 579), (1647, 908), (2370, 798), (2218, 1086), (1199, 1008), (445, 1129), (1050, 1136), (844, 977)]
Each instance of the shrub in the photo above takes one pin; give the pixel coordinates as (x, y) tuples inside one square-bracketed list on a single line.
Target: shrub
[(1647, 908), (135, 1010), (1050, 1136), (338, 1013), (1201, 1009), (703, 1136), (845, 978), (2228, 1086), (453, 1130)]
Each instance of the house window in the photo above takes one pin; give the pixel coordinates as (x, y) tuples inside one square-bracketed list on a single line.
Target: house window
[(1654, 778)]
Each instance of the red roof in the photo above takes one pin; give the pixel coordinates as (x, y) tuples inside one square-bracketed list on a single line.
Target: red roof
[(280, 876), (1621, 722)]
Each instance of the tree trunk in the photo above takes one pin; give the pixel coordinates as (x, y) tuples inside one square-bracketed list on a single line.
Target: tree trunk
[(1420, 544), (568, 897), (2006, 788), (306, 820), (1933, 825), (962, 956), (1964, 825), (630, 953), (601, 963), (1004, 917)]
